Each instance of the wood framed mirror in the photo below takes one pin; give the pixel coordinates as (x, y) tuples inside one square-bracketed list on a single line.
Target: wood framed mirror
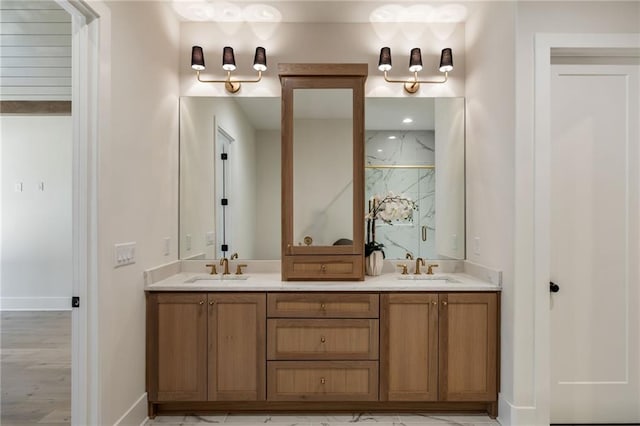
[(322, 155)]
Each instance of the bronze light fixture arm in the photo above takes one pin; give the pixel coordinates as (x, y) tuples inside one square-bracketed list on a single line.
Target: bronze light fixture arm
[(412, 86), (232, 86)]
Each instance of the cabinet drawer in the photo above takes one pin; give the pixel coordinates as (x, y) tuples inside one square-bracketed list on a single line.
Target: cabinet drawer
[(322, 305), (324, 268), (341, 339), (322, 381)]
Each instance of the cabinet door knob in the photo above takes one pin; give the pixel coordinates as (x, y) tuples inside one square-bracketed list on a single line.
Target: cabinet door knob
[(322, 339), (434, 303), (322, 380), (444, 303), (202, 302), (211, 303)]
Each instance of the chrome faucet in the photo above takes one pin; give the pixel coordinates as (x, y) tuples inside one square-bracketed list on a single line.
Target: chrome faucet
[(418, 262)]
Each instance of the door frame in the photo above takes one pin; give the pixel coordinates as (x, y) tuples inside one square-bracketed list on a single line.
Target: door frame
[(90, 23), (540, 194)]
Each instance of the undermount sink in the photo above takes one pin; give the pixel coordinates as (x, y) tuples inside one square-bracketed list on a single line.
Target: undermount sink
[(434, 277), (217, 278)]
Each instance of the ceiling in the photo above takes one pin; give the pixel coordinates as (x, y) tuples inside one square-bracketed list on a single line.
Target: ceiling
[(336, 11)]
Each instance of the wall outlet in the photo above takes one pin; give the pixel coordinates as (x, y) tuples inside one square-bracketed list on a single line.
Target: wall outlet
[(167, 246), (476, 246), (187, 241), (124, 254), (210, 238), (18, 187)]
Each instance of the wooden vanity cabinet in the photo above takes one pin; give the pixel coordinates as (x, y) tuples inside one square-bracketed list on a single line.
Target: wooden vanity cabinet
[(439, 347), (206, 347)]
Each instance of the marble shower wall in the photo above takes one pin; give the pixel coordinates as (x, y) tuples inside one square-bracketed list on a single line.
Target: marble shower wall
[(404, 148)]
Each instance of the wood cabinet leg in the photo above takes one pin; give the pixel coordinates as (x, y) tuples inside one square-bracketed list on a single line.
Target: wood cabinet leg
[(152, 411), (492, 409)]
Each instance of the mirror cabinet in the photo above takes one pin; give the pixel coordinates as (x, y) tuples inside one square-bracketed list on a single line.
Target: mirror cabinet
[(322, 171)]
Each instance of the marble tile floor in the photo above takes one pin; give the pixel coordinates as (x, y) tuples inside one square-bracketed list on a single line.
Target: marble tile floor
[(400, 419), (35, 368)]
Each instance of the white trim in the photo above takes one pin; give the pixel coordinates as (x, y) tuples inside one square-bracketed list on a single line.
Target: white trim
[(541, 194), (509, 414), (136, 414), (35, 304), (85, 371)]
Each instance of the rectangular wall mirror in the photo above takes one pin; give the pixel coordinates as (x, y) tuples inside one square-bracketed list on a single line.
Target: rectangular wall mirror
[(423, 160)]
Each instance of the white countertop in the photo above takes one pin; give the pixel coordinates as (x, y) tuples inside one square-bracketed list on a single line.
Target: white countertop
[(263, 282)]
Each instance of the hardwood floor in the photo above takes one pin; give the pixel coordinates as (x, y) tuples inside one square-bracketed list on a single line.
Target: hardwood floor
[(35, 370)]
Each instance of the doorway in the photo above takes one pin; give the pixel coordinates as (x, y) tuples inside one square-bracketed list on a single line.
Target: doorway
[(541, 262), (595, 222)]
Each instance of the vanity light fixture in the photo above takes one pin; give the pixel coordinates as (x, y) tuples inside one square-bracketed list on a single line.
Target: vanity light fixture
[(415, 65), (229, 65)]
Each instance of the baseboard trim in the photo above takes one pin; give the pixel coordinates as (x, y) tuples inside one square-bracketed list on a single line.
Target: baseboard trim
[(136, 415), (512, 415), (35, 303)]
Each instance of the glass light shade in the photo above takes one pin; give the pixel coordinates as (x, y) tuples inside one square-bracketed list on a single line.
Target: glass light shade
[(415, 60), (197, 58), (384, 64), (446, 60), (228, 59), (260, 59)]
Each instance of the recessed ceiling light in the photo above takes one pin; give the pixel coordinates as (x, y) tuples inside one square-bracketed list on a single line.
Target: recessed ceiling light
[(392, 137), (407, 120)]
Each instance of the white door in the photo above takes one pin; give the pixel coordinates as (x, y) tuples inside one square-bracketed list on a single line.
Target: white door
[(595, 235)]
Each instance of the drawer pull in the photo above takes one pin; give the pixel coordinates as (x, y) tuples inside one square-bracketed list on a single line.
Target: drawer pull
[(322, 380), (322, 339), (323, 306), (323, 268)]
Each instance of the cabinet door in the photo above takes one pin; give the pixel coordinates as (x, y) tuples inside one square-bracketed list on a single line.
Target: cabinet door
[(237, 361), (468, 346), (177, 347), (409, 351)]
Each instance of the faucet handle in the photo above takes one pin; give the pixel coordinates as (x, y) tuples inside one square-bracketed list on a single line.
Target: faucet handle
[(239, 268), (404, 268), (408, 256), (213, 268), (430, 268), (234, 256)]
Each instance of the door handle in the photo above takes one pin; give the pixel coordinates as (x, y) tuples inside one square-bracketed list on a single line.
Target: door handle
[(553, 287)]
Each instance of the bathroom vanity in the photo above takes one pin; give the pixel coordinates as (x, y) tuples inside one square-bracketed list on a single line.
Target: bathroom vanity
[(262, 344)]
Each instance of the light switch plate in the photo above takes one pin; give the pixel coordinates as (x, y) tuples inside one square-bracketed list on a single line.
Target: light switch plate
[(18, 187), (167, 246), (476, 246), (124, 254), (210, 238), (187, 241)]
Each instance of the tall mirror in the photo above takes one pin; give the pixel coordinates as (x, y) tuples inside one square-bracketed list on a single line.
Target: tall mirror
[(229, 177), (423, 160), (415, 153), (322, 166)]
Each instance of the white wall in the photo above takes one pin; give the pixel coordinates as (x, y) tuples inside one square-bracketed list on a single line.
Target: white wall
[(137, 187), (532, 18), (450, 185), (490, 132), (36, 223), (268, 189)]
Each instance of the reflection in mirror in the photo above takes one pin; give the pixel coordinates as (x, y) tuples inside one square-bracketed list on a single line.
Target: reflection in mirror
[(248, 131), (415, 147), (322, 166)]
